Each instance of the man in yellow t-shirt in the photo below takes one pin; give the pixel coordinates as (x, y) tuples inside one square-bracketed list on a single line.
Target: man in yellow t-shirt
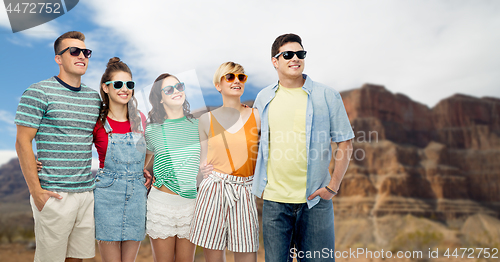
[(287, 147), (300, 119)]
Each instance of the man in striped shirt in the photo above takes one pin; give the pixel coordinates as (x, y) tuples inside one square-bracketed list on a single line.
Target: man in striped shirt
[(60, 114)]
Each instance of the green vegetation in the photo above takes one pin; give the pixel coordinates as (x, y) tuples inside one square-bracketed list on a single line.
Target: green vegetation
[(17, 227), (417, 240)]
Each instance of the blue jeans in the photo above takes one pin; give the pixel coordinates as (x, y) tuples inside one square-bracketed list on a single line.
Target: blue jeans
[(295, 231)]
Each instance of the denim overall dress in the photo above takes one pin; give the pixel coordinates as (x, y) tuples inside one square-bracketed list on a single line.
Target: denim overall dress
[(120, 194)]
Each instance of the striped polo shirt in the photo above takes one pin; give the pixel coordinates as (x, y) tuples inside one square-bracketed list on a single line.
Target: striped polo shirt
[(65, 118), (176, 148)]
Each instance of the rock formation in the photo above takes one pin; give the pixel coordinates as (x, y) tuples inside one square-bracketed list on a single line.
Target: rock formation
[(441, 163)]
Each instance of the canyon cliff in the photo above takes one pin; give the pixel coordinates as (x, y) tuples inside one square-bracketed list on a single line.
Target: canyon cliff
[(440, 163)]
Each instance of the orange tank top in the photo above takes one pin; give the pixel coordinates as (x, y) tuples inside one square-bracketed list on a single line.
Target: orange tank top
[(233, 153)]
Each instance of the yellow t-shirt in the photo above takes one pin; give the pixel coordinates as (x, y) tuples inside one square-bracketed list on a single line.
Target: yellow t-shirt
[(287, 164)]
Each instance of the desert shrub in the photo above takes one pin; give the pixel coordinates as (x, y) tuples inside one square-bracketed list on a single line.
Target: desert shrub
[(418, 240), (16, 227)]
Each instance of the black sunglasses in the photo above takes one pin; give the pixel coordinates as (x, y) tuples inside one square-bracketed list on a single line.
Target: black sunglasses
[(75, 51), (290, 54), (168, 90), (231, 77), (118, 84)]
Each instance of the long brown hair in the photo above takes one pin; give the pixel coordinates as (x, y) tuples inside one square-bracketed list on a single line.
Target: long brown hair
[(115, 65), (157, 113)]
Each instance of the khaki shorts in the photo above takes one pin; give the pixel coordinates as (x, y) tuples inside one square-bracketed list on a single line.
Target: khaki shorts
[(65, 228)]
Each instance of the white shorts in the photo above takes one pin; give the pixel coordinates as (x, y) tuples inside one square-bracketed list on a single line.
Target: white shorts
[(226, 214), (65, 228), (168, 215)]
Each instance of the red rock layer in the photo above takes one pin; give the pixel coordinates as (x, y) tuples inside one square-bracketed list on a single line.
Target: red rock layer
[(441, 163)]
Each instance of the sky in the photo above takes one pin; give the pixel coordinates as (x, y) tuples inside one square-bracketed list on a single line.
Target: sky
[(427, 50)]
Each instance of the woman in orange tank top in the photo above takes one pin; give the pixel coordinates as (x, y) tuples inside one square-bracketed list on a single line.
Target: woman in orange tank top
[(226, 213)]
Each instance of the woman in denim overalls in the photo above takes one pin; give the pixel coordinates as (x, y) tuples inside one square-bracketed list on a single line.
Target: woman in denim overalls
[(120, 194)]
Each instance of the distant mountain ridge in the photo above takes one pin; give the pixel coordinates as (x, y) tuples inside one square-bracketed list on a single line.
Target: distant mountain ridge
[(13, 188)]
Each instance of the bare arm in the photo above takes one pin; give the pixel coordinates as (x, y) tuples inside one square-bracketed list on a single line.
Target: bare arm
[(257, 118), (27, 161), (203, 129), (339, 164), (148, 165), (342, 158), (150, 157)]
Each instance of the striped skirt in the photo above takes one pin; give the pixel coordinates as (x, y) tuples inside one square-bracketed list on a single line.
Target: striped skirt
[(226, 214)]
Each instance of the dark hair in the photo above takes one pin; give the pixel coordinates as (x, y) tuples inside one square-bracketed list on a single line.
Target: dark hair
[(157, 113), (71, 34), (283, 39), (115, 65)]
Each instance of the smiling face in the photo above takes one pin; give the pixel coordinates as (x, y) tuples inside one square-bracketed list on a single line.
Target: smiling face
[(174, 100), (289, 69), (72, 65), (234, 88), (119, 96)]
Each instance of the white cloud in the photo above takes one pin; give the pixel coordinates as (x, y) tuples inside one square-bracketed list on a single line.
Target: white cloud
[(95, 158), (95, 163), (6, 156), (48, 30), (4, 19), (428, 50), (6, 117), (8, 122)]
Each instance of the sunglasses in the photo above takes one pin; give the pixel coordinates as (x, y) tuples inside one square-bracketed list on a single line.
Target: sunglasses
[(231, 77), (287, 55), (75, 51), (119, 84), (168, 90)]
